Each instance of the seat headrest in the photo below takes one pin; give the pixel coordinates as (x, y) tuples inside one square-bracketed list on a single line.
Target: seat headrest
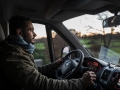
[(2, 35)]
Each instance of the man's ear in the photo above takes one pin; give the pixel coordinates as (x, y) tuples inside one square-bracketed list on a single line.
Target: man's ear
[(19, 32)]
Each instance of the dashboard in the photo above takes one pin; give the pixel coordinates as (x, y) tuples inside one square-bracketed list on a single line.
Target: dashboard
[(108, 75), (114, 82)]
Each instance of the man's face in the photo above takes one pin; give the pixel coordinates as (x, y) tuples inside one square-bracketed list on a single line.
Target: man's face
[(28, 33)]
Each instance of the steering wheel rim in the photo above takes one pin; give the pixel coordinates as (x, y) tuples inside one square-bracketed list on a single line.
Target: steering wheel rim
[(70, 67)]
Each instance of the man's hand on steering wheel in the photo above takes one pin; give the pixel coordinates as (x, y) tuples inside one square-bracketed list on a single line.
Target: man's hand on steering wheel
[(89, 77), (60, 61)]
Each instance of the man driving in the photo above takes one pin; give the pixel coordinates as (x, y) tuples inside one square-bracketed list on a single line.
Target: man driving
[(17, 62)]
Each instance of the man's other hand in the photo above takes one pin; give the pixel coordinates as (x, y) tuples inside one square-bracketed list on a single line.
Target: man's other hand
[(60, 61), (89, 77)]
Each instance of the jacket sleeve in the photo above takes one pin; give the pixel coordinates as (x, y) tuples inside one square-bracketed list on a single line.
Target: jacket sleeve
[(45, 69), (24, 74)]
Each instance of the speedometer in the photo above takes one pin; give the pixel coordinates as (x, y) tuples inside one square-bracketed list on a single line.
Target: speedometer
[(92, 65)]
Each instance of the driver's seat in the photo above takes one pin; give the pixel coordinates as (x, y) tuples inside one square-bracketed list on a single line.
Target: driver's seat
[(2, 35), (4, 80)]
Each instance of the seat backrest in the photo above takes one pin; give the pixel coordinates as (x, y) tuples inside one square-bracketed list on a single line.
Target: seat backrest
[(2, 35)]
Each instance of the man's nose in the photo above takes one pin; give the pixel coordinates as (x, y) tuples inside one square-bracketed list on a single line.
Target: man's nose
[(34, 34)]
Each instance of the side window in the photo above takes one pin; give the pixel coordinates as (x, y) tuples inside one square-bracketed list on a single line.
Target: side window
[(41, 52), (59, 43)]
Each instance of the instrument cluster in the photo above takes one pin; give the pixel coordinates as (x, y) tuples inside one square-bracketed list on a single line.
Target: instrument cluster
[(93, 65)]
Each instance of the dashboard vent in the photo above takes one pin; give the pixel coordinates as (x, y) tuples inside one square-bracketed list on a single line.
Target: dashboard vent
[(105, 75)]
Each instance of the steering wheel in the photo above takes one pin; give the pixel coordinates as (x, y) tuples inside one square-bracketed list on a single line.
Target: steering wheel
[(70, 66)]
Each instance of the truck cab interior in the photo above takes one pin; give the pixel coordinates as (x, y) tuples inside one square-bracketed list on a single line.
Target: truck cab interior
[(51, 14)]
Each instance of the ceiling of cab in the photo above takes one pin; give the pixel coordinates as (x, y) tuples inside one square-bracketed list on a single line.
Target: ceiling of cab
[(31, 8), (91, 7), (55, 10)]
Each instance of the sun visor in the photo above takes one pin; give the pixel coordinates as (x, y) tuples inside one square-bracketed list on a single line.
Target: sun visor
[(56, 6)]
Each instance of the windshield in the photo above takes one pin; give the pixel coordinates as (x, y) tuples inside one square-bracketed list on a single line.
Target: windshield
[(102, 43)]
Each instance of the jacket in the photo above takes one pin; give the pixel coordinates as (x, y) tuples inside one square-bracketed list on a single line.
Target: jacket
[(19, 72)]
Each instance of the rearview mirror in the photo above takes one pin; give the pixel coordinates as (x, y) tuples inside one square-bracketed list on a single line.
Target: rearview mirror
[(112, 21)]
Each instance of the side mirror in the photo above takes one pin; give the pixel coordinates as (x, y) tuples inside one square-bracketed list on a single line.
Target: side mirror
[(112, 21), (65, 51)]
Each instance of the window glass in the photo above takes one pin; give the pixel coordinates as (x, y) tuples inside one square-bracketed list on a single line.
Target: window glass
[(102, 43), (41, 52), (59, 43)]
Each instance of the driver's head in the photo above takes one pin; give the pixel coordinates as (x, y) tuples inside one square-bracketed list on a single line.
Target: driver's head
[(22, 26)]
